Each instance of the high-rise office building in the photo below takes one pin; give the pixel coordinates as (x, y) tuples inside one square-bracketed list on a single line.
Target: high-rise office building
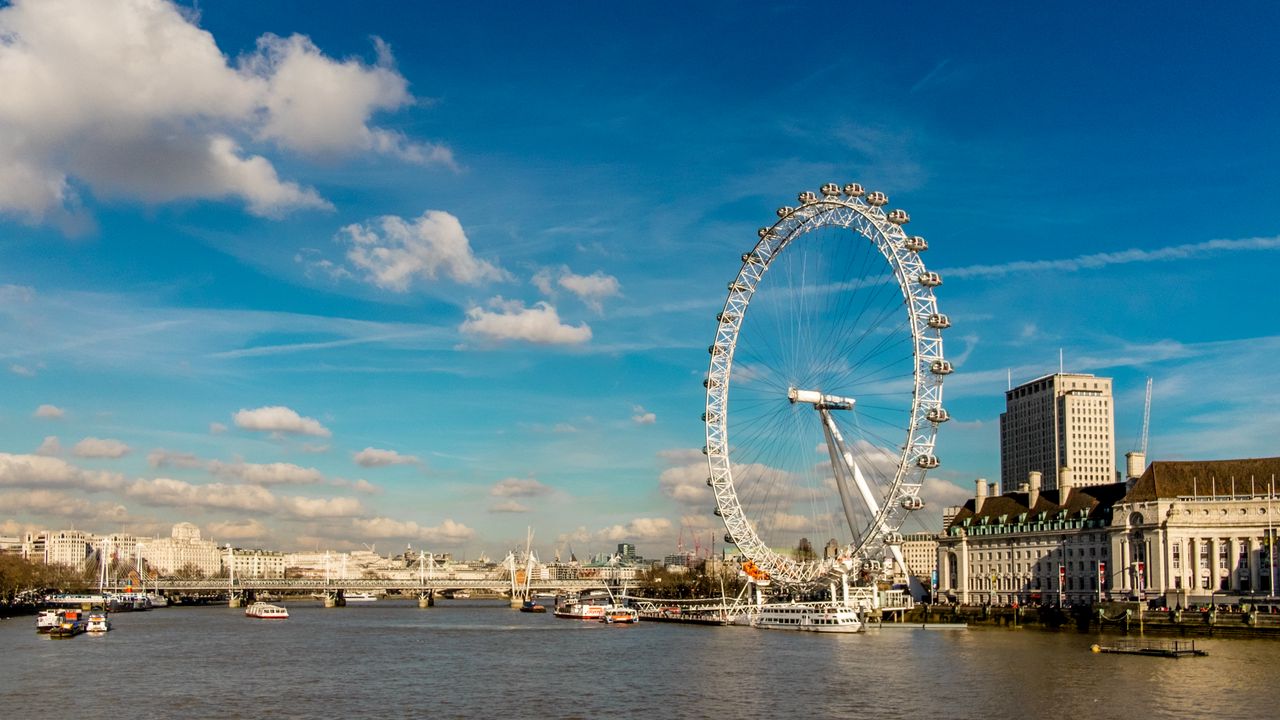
[(1056, 421)]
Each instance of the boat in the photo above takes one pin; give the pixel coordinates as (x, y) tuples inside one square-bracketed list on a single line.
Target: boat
[(97, 623), (618, 614), (266, 611), (157, 600), (70, 624), (812, 617), (359, 597), (48, 620), (575, 610), (530, 606)]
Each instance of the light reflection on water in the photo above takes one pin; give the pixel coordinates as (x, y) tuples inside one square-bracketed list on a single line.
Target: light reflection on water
[(474, 659)]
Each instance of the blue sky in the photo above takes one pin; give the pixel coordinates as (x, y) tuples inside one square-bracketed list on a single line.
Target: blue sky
[(317, 275)]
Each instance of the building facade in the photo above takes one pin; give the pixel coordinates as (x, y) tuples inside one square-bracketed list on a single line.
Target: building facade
[(1197, 532), (920, 553), (1058, 420), (183, 548), (257, 564)]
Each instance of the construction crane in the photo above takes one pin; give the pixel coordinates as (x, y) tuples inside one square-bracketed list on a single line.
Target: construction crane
[(1146, 420)]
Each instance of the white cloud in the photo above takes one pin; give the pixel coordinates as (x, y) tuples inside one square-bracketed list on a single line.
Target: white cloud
[(251, 529), (62, 504), (165, 458), (448, 532), (22, 370), (591, 289), (132, 100), (50, 446), (92, 447), (37, 471), (373, 457), (1123, 257), (393, 251), (642, 416), (279, 419), (638, 530), (49, 412), (508, 506), (366, 487), (519, 487), (279, 473), (511, 320), (166, 492), (310, 508)]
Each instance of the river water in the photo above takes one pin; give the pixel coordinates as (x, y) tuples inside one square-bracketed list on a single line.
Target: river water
[(474, 658)]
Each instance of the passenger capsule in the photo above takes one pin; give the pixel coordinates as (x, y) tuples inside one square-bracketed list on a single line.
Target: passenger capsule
[(717, 513), (708, 482), (710, 383), (927, 462), (764, 232), (877, 198), (937, 415), (752, 258), (738, 286), (915, 243), (726, 317), (930, 279), (729, 539), (830, 190), (806, 197), (941, 367), (854, 190), (912, 502), (715, 350), (893, 538), (938, 321), (785, 210), (898, 217)]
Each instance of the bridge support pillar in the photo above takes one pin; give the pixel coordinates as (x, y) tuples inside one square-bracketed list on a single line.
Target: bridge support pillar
[(426, 599), (234, 601)]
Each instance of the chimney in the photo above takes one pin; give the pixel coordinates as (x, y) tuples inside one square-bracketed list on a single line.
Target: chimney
[(1066, 482), (980, 496), (1033, 495), (1134, 464)]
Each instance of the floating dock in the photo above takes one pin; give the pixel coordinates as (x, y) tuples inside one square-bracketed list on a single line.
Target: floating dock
[(1153, 648)]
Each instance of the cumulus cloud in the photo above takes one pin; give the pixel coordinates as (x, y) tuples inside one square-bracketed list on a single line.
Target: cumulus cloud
[(638, 530), (164, 458), (23, 370), (373, 457), (686, 483), (448, 532), (279, 473), (279, 419), (591, 289), (393, 252), (132, 100), (307, 508), (62, 504), (642, 416), (37, 471), (251, 529), (49, 412), (92, 447), (511, 320), (167, 492), (50, 446), (519, 487)]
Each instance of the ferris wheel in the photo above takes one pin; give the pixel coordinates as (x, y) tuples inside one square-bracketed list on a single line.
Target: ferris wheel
[(824, 392)]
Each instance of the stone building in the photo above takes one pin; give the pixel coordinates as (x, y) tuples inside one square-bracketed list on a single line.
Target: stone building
[(1195, 532), (257, 564), (1030, 545), (920, 553), (167, 556), (1058, 420)]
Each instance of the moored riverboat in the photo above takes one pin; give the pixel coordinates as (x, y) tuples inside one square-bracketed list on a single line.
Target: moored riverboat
[(530, 606), (47, 620), (97, 622), (617, 614), (812, 617), (71, 624), (575, 610)]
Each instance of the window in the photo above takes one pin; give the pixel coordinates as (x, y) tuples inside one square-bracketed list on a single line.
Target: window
[(1176, 551)]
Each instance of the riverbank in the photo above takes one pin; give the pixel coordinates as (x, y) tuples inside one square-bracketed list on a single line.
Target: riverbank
[(1115, 617)]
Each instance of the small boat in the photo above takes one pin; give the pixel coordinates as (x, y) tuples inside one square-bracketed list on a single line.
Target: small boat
[(47, 620), (580, 611), (617, 614), (71, 624), (157, 600), (266, 611), (359, 597), (97, 623), (530, 606)]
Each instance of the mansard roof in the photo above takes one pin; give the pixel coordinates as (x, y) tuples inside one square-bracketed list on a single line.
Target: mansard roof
[(1094, 500), (1182, 478)]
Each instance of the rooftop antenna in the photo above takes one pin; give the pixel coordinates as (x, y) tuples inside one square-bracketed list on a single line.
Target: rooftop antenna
[(1059, 361)]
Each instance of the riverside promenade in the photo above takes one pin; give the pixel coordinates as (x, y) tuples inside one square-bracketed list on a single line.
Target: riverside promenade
[(1109, 617)]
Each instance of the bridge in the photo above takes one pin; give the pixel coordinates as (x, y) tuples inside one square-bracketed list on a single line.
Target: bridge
[(241, 589)]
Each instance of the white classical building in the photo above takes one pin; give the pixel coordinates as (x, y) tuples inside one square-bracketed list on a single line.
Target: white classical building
[(920, 553), (66, 547), (257, 563), (166, 556), (1199, 531)]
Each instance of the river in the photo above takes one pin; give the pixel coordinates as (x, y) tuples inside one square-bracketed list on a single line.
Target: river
[(475, 658)]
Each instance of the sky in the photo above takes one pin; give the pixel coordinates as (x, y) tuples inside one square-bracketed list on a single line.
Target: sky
[(321, 275)]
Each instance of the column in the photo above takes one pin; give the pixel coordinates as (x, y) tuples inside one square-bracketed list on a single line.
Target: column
[(1255, 562), (964, 571), (1233, 559)]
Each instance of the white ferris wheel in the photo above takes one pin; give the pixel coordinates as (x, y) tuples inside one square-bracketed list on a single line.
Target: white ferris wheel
[(824, 393)]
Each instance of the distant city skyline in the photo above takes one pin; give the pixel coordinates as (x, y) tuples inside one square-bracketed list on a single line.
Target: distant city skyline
[(321, 276)]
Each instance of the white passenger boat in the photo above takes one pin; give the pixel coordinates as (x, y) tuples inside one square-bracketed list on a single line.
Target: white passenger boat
[(620, 615), (812, 617), (574, 610), (47, 620), (97, 623), (359, 597), (266, 611)]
